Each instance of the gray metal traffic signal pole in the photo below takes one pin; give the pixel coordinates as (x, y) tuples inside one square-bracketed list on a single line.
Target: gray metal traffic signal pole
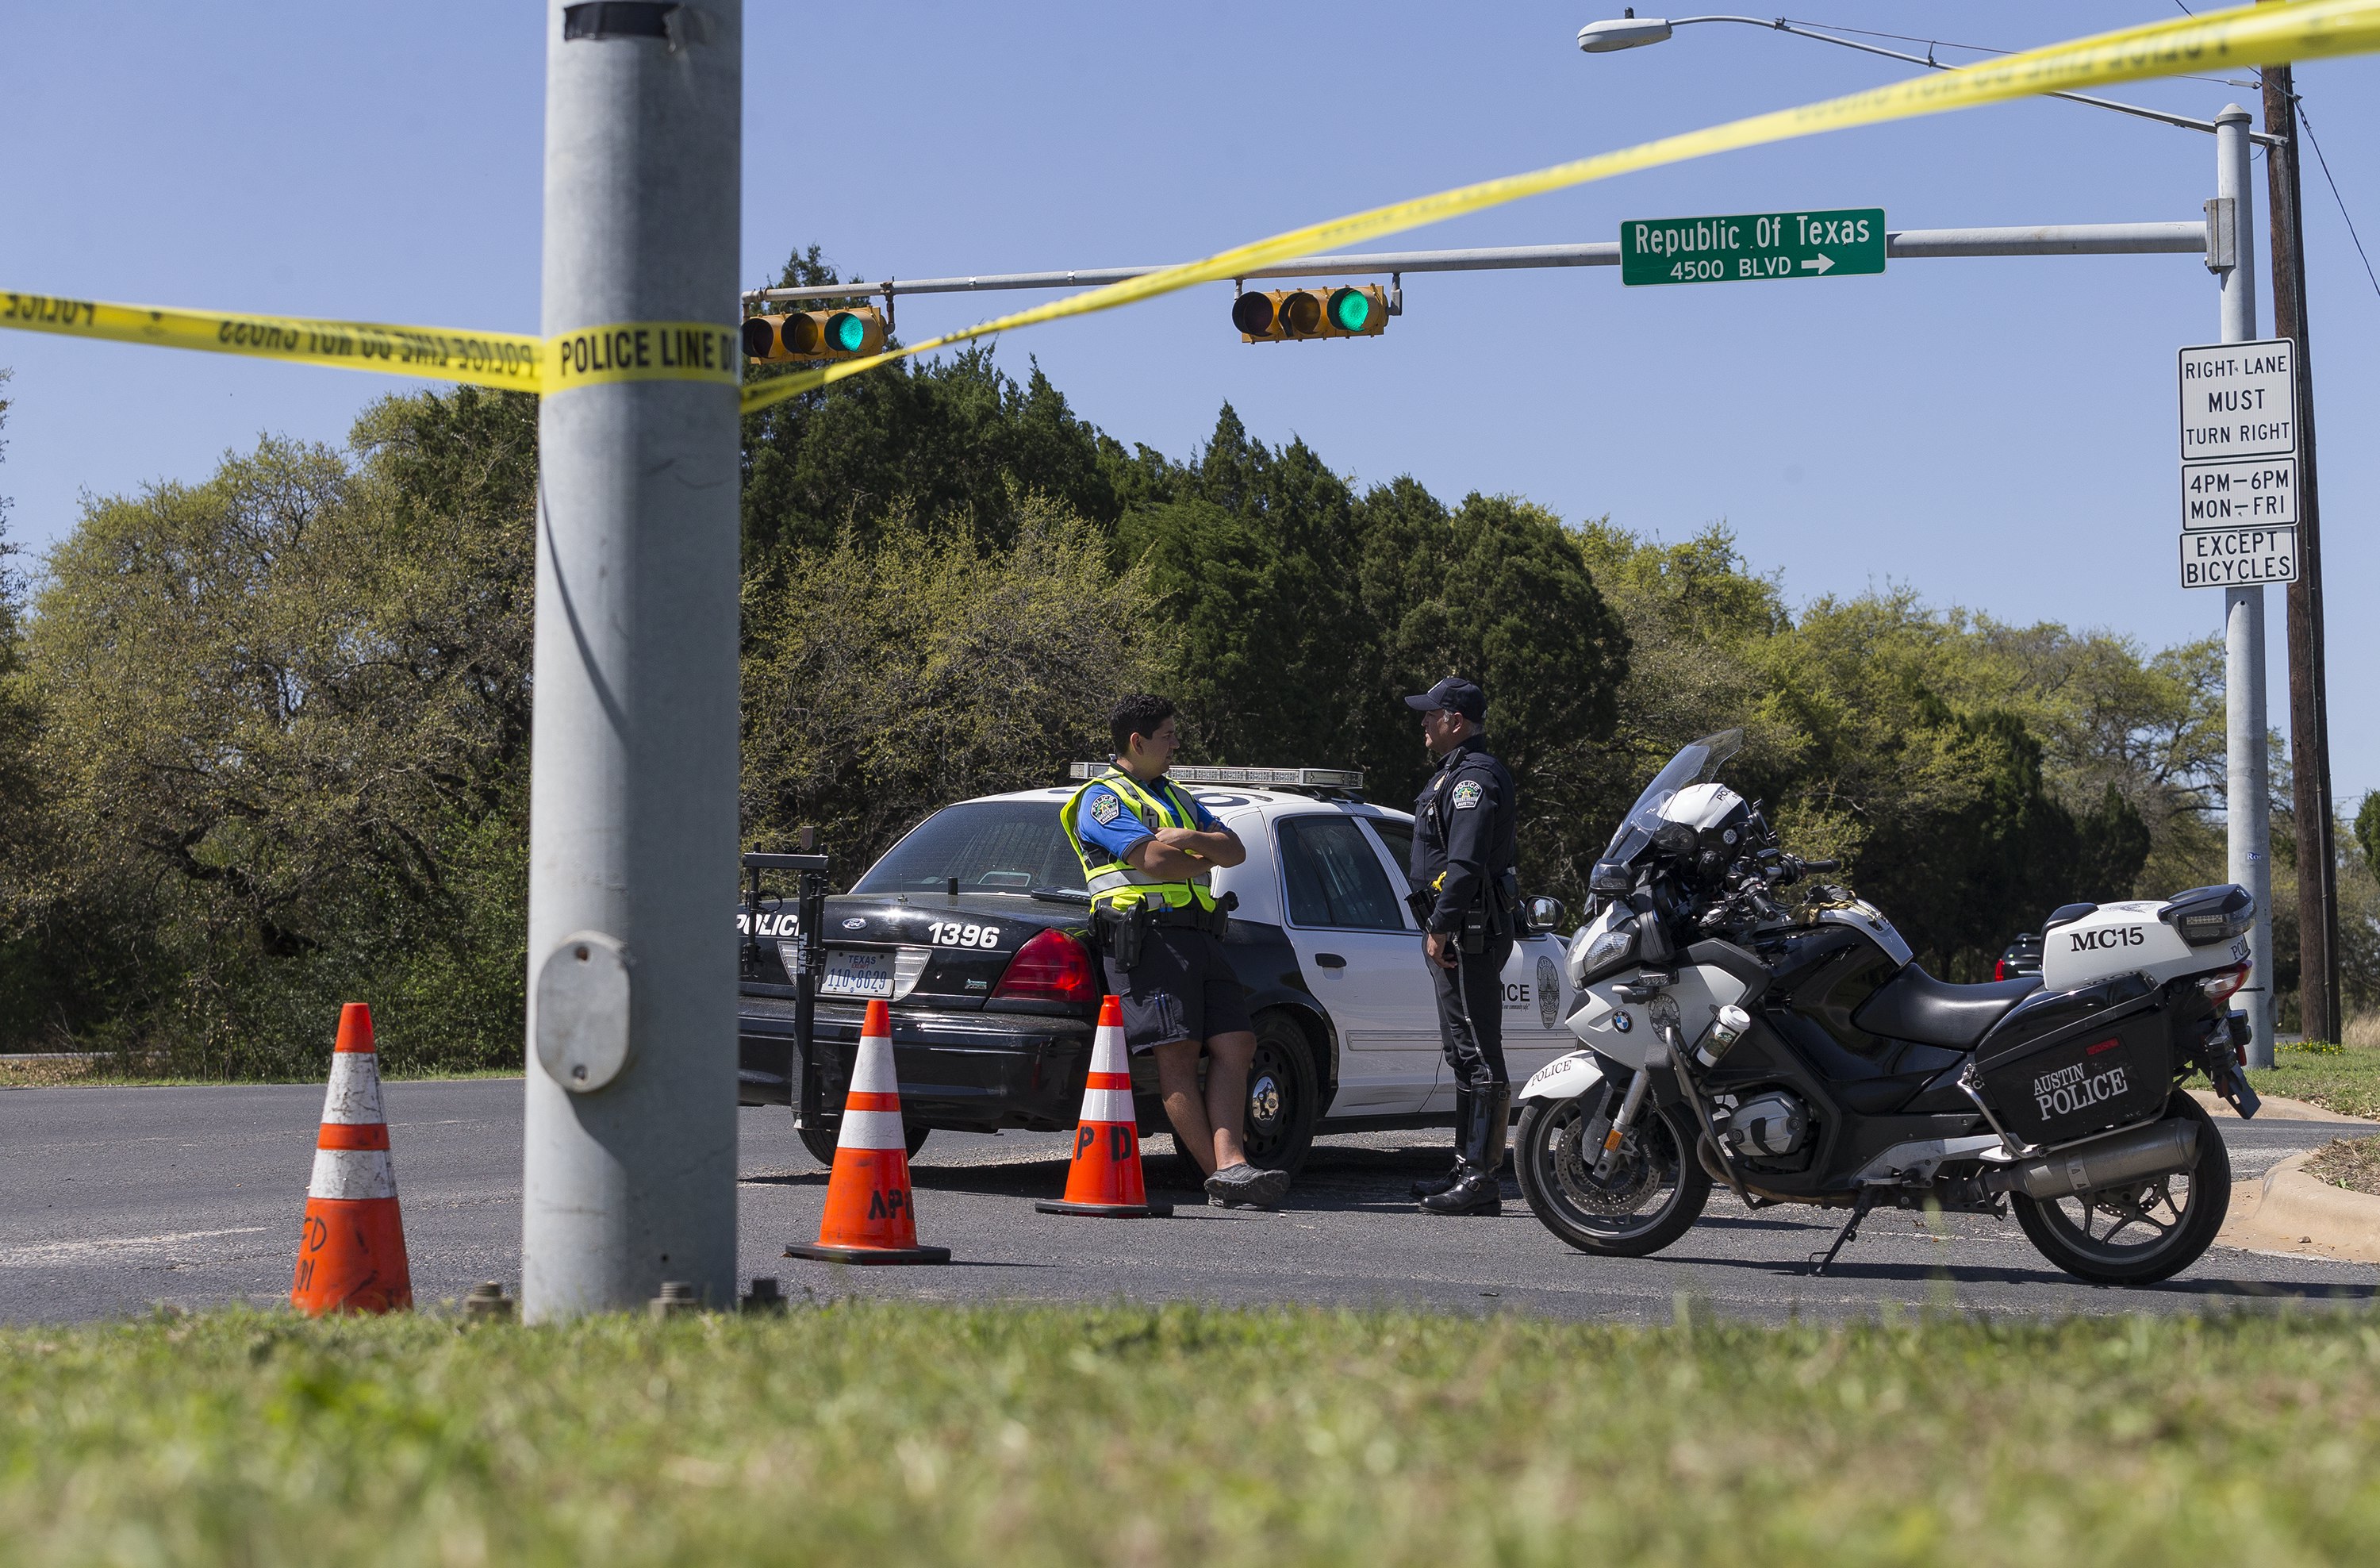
[(2246, 800), (629, 1172)]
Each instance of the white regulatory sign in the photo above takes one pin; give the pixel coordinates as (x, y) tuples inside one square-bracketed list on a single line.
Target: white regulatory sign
[(2262, 491), (2238, 400), (2239, 557)]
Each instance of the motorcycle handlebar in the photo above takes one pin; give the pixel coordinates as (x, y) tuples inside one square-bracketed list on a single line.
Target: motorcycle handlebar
[(1822, 865)]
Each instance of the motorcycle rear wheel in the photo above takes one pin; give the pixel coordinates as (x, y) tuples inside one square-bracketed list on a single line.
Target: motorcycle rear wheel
[(1652, 1197), (2172, 1218)]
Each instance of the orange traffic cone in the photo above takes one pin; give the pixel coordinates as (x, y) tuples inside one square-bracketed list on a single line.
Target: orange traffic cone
[(1106, 1177), (869, 1216), (351, 1257)]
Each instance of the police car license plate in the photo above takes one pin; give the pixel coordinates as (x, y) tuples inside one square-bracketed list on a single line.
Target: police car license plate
[(856, 974)]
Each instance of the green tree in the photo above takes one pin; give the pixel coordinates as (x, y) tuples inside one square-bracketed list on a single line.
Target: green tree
[(1253, 560), (286, 728), (1496, 590), (1933, 785), (892, 673), (951, 440)]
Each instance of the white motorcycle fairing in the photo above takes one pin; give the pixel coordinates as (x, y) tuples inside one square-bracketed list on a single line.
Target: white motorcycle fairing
[(1623, 1031), (2126, 938), (1565, 1077)]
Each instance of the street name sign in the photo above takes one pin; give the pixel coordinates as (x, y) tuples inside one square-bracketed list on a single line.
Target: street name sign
[(2238, 404), (1752, 246)]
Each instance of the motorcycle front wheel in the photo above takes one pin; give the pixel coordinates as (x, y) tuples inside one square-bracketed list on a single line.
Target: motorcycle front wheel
[(2143, 1231), (1650, 1198)]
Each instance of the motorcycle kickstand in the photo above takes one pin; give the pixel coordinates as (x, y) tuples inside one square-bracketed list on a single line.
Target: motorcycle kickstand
[(1819, 1263)]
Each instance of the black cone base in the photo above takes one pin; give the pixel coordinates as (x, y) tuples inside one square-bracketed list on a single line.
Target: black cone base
[(1106, 1210), (818, 1252)]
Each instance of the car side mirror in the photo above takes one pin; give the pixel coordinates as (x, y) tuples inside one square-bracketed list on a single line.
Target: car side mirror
[(1545, 914)]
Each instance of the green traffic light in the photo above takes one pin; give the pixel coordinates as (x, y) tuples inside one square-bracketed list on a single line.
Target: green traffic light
[(846, 332), (1351, 309)]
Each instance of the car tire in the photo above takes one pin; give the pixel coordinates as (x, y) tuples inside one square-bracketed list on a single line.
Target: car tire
[(821, 1143), (1284, 1094), (1285, 1102)]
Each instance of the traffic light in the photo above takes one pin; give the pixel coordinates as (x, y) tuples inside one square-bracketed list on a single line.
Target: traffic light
[(815, 334), (1287, 313)]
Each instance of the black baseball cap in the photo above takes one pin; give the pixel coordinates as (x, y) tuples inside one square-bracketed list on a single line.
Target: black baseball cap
[(1455, 694)]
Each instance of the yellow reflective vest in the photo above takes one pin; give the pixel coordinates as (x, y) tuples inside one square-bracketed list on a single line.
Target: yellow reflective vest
[(1113, 883)]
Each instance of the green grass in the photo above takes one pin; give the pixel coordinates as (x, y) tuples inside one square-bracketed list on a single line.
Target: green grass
[(2345, 1078), (870, 1434), (106, 1075)]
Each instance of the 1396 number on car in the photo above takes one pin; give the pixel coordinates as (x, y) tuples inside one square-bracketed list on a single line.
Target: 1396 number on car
[(949, 933)]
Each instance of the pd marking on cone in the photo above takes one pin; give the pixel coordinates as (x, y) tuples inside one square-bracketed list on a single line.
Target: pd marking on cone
[(870, 1217), (351, 1252), (1105, 1178)]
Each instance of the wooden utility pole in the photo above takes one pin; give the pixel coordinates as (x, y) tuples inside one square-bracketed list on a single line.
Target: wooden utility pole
[(2318, 1008)]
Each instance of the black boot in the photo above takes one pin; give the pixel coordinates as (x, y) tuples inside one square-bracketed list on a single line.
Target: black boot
[(1478, 1186), (1430, 1186)]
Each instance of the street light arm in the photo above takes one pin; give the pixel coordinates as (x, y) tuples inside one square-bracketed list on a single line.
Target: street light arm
[(1781, 24)]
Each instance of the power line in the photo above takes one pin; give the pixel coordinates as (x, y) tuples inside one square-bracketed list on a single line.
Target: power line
[(2300, 103), (1933, 44)]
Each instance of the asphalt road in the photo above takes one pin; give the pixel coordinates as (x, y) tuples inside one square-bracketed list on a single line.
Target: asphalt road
[(113, 1199)]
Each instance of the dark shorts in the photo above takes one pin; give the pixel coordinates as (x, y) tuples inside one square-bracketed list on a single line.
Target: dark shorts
[(1183, 988)]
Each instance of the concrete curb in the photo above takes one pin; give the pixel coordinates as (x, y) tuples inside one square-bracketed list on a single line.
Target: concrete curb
[(2291, 1212), (2280, 1108)]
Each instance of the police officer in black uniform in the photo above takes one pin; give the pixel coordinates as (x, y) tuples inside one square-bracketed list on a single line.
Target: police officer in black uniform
[(1466, 893)]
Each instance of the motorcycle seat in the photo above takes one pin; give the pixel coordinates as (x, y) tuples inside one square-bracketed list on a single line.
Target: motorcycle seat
[(1914, 1005)]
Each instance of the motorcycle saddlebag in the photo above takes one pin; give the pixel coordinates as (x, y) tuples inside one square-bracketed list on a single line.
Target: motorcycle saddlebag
[(2076, 1076)]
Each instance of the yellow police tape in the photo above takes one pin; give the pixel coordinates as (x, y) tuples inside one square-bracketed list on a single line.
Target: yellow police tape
[(2302, 29), (485, 358), (591, 355), (644, 351), (2254, 35)]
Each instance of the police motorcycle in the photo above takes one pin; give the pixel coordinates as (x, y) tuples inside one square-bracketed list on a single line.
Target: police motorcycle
[(1798, 1055)]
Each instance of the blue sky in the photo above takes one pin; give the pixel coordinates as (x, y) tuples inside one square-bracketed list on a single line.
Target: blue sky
[(1995, 434)]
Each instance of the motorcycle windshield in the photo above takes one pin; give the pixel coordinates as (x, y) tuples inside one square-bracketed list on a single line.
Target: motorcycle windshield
[(1695, 762)]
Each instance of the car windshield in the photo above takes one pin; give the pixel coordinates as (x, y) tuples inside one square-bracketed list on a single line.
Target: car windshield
[(989, 846), (1695, 762)]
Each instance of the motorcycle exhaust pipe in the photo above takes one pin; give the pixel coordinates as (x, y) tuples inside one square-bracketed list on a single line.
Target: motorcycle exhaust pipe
[(2135, 1154)]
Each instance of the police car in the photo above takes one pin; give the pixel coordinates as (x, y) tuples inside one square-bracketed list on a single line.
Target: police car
[(975, 927)]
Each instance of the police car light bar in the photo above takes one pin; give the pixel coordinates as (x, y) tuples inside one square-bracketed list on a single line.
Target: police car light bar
[(1250, 778)]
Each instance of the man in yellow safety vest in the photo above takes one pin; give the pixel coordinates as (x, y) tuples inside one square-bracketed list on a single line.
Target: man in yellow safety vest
[(1148, 853)]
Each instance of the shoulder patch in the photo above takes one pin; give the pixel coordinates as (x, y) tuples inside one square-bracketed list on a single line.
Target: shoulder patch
[(1467, 794), (1106, 807)]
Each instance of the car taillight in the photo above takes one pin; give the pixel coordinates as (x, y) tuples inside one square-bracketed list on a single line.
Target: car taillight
[(1052, 967), (2219, 985)]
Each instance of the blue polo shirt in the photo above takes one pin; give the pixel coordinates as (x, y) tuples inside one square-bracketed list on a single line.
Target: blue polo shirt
[(1109, 820)]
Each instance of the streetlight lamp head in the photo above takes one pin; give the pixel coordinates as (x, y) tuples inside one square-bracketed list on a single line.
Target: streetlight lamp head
[(1630, 31)]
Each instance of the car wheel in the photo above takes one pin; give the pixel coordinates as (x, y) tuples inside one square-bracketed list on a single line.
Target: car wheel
[(1284, 1096), (1285, 1102), (821, 1143)]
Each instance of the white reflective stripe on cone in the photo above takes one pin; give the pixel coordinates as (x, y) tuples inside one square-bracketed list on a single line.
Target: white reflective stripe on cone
[(1108, 1053), (352, 1173), (353, 1099), (1108, 1105), (872, 1073), (871, 1129)]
